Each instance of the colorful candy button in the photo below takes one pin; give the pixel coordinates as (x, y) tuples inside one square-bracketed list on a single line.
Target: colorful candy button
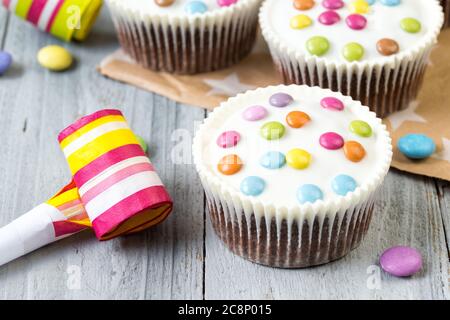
[(226, 3), (281, 100), (390, 3), (331, 141), (416, 146), (370, 2), (229, 165), (318, 46), (401, 261), (329, 18), (273, 160), (254, 113), (332, 103), (228, 139), (55, 58), (333, 4), (356, 21), (309, 193), (298, 159), (410, 25), (297, 119), (360, 6), (164, 3), (361, 128), (304, 4), (195, 7), (343, 184), (5, 61), (142, 143), (252, 186), (387, 47), (354, 151), (300, 21), (353, 51), (272, 130)]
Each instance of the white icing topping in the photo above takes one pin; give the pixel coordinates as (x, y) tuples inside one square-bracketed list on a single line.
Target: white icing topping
[(178, 7), (282, 184), (382, 22)]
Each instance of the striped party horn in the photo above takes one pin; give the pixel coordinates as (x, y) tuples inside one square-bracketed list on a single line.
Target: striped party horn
[(65, 19), (59, 217), (117, 184)]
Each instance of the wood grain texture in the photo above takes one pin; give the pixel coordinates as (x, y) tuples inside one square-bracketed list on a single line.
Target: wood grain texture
[(165, 262), (407, 213), (444, 201)]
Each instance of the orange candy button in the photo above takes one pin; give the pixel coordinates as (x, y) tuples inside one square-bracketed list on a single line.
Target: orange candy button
[(304, 4), (297, 119), (354, 151), (229, 164)]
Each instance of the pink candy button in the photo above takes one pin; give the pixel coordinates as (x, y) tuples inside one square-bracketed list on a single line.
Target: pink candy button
[(332, 104), (356, 21), (228, 139), (329, 17), (333, 4), (254, 113), (226, 3), (331, 141)]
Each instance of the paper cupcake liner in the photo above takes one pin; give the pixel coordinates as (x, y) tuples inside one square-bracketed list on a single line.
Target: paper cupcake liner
[(386, 85), (187, 44), (446, 5), (287, 237)]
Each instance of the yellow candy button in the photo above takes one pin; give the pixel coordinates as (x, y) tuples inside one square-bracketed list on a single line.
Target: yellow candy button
[(55, 58), (360, 6), (298, 159), (300, 21)]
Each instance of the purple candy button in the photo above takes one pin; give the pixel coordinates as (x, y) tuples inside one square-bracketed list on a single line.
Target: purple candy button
[(228, 139), (329, 17), (332, 104), (401, 261), (254, 113), (5, 61), (331, 141), (356, 21), (333, 4), (280, 100)]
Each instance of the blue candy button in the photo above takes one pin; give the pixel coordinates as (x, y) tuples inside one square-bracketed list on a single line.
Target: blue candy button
[(309, 193), (273, 160), (252, 186), (416, 146), (390, 3), (343, 184), (370, 2), (5, 61), (194, 7)]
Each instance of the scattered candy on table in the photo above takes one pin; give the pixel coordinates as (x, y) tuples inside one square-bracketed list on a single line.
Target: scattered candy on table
[(55, 58), (5, 61), (401, 261), (416, 146), (142, 143)]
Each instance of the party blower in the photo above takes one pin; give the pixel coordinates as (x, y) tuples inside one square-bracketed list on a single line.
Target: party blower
[(64, 19), (115, 189)]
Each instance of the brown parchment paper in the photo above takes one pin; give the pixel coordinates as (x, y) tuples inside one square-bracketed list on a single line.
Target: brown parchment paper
[(429, 115)]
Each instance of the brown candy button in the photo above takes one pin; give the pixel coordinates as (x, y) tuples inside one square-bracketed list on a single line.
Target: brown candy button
[(304, 4), (164, 3), (354, 151), (387, 47)]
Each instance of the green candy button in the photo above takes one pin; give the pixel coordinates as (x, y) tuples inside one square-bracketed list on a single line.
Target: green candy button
[(361, 128), (410, 25), (353, 51), (142, 143), (272, 130), (318, 46)]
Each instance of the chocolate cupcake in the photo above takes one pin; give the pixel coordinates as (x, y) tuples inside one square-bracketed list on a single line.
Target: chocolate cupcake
[(186, 36), (375, 51), (291, 173), (446, 5)]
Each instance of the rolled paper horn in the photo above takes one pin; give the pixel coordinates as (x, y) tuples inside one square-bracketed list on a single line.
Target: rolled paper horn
[(117, 183), (65, 19), (59, 217)]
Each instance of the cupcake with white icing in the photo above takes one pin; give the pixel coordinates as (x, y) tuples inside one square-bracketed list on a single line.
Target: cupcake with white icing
[(186, 36), (291, 173), (373, 50)]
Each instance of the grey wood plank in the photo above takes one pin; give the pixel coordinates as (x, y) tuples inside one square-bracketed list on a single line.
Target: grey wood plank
[(3, 21), (406, 214), (444, 200), (164, 262)]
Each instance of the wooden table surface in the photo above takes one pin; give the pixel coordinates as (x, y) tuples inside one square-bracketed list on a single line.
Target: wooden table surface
[(181, 258)]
